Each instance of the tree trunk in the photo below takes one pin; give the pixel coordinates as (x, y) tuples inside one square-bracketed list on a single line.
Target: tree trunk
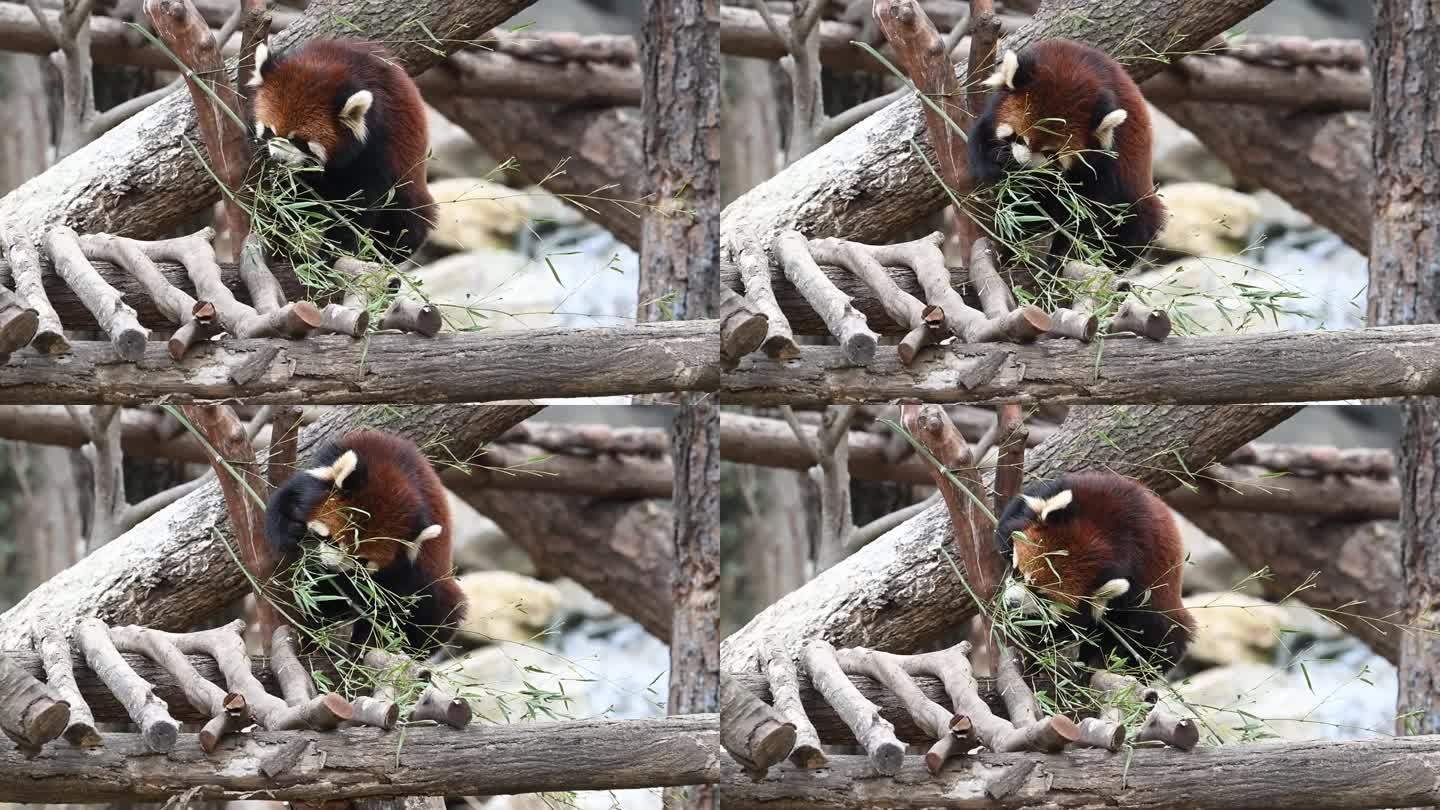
[(1405, 288), (680, 240)]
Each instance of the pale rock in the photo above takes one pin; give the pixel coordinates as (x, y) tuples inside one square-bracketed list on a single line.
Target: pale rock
[(473, 213), (1206, 220), (1350, 697), (1209, 566), (505, 606), (1237, 628)]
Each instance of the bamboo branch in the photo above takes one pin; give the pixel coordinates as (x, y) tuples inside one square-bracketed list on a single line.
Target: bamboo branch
[(903, 308), (60, 678), (196, 319), (946, 728), (198, 257), (229, 712), (784, 684), (754, 272)]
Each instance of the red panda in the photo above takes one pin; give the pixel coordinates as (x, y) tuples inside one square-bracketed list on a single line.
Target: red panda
[(372, 499), (1065, 101), (340, 105), (1102, 546)]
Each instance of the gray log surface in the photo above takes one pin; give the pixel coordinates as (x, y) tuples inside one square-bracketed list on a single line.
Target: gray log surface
[(1387, 361), (353, 763), (385, 368), (1309, 775)]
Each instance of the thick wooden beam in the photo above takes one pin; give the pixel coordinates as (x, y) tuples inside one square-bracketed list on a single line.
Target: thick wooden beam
[(481, 760), (393, 368), (1314, 775), (1389, 361)]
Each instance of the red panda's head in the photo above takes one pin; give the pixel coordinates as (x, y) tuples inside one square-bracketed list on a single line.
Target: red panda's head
[(1054, 100), (1056, 547), (311, 103), (344, 523)]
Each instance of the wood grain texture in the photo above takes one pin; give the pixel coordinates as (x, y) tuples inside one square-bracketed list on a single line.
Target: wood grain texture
[(1268, 367), (354, 763), (1312, 775), (1404, 254), (396, 368)]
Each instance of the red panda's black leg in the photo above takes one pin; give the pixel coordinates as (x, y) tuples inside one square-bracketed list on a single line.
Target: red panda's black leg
[(290, 508), (989, 154)]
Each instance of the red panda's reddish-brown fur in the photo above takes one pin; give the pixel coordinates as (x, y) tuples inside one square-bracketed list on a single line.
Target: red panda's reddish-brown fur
[(298, 99), (1051, 100), (382, 514), (375, 496), (1110, 527)]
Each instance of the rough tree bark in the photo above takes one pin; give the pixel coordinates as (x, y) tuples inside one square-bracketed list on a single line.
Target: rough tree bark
[(680, 240), (1405, 288), (644, 358), (354, 763), (1265, 367), (695, 578), (1310, 775)]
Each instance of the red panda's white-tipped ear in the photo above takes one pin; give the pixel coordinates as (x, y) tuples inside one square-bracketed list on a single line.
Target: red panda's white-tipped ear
[(1044, 507), (430, 532), (1105, 132), (1004, 75), (262, 53), (352, 113), (338, 470)]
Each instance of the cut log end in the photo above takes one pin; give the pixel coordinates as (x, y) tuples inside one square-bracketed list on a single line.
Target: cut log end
[(781, 347), (859, 348), (130, 344), (17, 329), (49, 722), (160, 736), (887, 757), (50, 342), (413, 316), (1070, 323), (808, 757)]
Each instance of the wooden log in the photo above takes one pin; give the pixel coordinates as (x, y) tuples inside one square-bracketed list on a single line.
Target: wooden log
[(1257, 368), (30, 714), (845, 322), (478, 367), (361, 762), (1308, 775), (753, 732)]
